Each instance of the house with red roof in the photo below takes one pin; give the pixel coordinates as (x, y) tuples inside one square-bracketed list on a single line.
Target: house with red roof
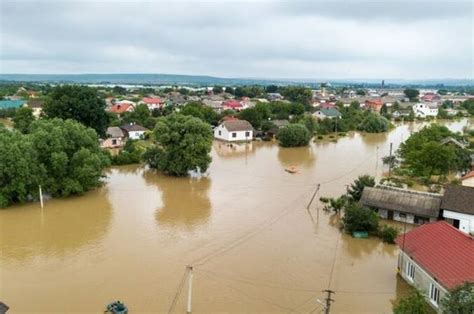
[(374, 105), (233, 104), (121, 108), (430, 97), (152, 102), (436, 258)]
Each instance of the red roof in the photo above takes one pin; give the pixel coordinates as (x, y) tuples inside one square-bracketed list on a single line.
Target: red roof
[(328, 105), (374, 102), (152, 100), (468, 175), (232, 103), (443, 251), (120, 108)]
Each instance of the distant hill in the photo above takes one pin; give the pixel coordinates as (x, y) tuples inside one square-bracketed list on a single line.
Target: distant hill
[(201, 80)]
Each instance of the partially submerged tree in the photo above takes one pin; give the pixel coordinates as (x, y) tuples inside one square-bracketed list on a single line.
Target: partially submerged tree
[(357, 187), (360, 218), (414, 304), (183, 145), (460, 299), (294, 135)]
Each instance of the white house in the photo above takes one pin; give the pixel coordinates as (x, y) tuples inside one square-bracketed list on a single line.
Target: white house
[(134, 131), (423, 110), (457, 205), (436, 258), (152, 102), (328, 113), (234, 130), (468, 179)]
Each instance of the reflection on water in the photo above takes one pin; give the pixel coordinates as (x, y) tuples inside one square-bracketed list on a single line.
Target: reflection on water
[(300, 156), (185, 201), (131, 239), (62, 227)]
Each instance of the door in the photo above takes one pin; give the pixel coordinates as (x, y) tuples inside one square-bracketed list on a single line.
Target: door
[(390, 215)]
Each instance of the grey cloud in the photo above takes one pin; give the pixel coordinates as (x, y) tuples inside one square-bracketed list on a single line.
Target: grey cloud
[(293, 39)]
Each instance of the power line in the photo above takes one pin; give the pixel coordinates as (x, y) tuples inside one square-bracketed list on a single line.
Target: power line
[(178, 291), (249, 235)]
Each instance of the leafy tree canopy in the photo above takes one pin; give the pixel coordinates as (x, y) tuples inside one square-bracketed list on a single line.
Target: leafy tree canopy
[(183, 145), (298, 94), (460, 299), (23, 118), (425, 155), (411, 93), (374, 123), (294, 135), (360, 218), (415, 304), (356, 188), (80, 103)]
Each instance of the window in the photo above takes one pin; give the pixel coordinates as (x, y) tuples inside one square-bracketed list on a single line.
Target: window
[(234, 134), (114, 142), (410, 270), (247, 134), (402, 215), (220, 132), (434, 294)]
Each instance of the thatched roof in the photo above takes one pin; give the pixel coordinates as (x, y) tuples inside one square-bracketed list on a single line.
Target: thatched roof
[(405, 201)]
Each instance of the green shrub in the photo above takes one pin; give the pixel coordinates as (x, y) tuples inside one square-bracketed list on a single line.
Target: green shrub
[(320, 137), (294, 135), (388, 234), (360, 218)]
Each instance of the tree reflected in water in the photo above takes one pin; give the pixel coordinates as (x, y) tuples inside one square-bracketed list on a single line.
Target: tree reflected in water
[(297, 156), (185, 201)]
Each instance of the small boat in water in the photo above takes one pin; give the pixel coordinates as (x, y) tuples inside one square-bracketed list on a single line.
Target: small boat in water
[(116, 307), (291, 169)]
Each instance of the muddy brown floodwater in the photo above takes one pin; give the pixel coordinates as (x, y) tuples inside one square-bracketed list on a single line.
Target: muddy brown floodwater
[(245, 228)]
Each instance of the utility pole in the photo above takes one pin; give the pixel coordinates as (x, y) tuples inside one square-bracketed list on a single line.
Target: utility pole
[(328, 300), (41, 196), (311, 201), (390, 162), (190, 288)]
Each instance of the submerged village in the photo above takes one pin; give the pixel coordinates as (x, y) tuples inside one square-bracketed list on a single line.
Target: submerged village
[(256, 198)]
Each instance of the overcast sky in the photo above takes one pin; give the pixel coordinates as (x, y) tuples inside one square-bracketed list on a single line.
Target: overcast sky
[(413, 39)]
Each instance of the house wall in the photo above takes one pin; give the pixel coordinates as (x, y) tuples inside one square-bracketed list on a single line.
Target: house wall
[(136, 135), (225, 135), (468, 182), (423, 110), (466, 222), (112, 142), (421, 279)]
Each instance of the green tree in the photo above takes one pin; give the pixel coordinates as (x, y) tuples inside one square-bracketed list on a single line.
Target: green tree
[(374, 123), (130, 154), (469, 106), (413, 304), (360, 92), (360, 218), (140, 115), (412, 93), (80, 103), (459, 300), (356, 188), (23, 118), (183, 145), (70, 154), (217, 89), (20, 173), (298, 94), (199, 110), (424, 154), (271, 89), (294, 135), (253, 116)]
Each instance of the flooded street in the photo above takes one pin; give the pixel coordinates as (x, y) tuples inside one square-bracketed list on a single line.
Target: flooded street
[(244, 228)]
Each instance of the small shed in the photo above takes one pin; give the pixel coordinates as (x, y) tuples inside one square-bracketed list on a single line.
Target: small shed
[(402, 205)]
